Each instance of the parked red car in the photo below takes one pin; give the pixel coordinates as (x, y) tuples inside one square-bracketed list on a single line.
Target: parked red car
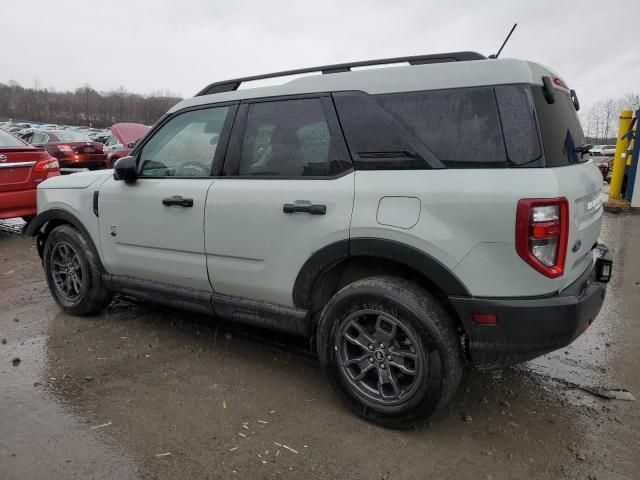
[(123, 136), (22, 168), (72, 149)]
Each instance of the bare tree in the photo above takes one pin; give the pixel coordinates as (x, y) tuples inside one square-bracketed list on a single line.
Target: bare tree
[(84, 106)]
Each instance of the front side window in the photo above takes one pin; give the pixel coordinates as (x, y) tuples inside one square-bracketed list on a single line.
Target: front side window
[(288, 138), (185, 145)]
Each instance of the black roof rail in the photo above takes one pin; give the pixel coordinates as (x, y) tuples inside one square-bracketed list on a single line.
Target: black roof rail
[(231, 85)]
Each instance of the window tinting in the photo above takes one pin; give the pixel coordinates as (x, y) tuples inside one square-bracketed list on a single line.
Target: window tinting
[(518, 123), (185, 145), (460, 126), (377, 141), (560, 128), (288, 138)]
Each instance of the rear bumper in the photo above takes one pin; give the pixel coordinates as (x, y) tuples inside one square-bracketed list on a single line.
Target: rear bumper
[(529, 327), (18, 204)]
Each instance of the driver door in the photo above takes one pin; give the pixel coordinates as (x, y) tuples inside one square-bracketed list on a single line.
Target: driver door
[(153, 228)]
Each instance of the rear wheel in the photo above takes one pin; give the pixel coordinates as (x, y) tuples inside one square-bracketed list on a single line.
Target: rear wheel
[(391, 350), (73, 272)]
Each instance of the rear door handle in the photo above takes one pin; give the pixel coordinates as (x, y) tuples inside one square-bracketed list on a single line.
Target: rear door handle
[(177, 200), (304, 206)]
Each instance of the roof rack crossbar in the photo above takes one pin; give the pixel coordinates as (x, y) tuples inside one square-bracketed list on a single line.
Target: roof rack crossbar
[(231, 85)]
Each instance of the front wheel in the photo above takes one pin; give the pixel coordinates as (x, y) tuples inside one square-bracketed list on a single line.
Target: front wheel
[(391, 350), (73, 272)]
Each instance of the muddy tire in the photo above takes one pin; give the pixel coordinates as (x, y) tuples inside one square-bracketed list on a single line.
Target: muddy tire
[(390, 350), (73, 272)]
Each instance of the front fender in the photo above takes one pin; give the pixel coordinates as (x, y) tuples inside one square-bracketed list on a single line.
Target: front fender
[(46, 221)]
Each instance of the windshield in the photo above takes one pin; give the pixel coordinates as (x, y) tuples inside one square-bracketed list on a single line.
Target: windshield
[(70, 136), (8, 140)]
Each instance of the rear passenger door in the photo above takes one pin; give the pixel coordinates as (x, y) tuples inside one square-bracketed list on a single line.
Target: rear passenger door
[(287, 191)]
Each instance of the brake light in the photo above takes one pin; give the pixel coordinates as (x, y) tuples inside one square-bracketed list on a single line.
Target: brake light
[(47, 166), (558, 82), (542, 232), (65, 148)]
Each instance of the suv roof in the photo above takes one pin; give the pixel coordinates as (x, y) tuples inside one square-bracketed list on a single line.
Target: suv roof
[(230, 85), (428, 72)]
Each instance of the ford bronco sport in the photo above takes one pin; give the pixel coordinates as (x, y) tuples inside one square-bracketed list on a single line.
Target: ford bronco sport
[(412, 220)]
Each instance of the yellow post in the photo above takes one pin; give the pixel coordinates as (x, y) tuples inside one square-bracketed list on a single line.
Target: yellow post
[(618, 161)]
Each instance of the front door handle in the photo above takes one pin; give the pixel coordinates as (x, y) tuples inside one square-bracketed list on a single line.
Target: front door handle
[(304, 206), (177, 200)]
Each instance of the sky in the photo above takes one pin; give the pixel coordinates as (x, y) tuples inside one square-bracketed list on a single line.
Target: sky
[(180, 46)]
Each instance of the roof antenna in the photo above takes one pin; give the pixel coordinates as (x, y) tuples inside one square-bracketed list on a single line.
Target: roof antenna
[(505, 42)]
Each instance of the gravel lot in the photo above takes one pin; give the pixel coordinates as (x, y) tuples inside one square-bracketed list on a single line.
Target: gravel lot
[(144, 392)]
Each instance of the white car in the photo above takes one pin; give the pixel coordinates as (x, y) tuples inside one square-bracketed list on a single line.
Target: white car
[(608, 150), (411, 220), (596, 150)]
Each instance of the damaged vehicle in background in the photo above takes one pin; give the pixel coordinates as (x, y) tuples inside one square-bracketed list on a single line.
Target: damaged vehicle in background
[(122, 140)]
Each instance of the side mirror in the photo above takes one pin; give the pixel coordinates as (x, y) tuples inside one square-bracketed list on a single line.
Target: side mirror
[(126, 169)]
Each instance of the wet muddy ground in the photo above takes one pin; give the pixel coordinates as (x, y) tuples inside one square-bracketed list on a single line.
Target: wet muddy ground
[(143, 392)]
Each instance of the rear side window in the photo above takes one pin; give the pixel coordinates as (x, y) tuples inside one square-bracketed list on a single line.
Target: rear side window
[(560, 128), (460, 126), (521, 137), (483, 127), (288, 138)]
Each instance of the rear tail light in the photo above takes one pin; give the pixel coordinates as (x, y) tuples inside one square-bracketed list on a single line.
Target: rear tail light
[(542, 231), (65, 148), (47, 166), (484, 318)]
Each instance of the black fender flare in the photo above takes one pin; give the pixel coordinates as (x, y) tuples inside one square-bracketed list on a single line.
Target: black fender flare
[(411, 257), (39, 225)]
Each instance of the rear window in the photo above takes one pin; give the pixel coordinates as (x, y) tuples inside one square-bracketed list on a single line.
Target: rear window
[(560, 128), (8, 140), (483, 127), (70, 136)]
